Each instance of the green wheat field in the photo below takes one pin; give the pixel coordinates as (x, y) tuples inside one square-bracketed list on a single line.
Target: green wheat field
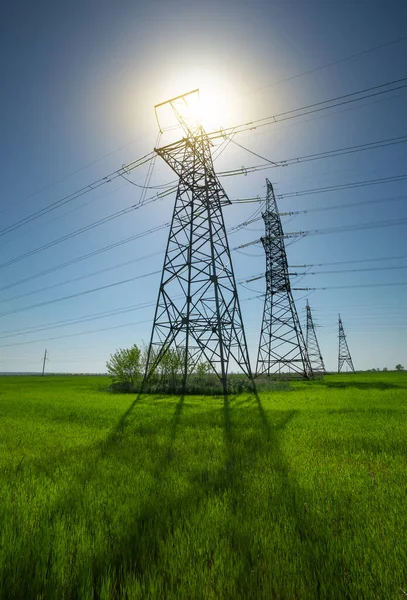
[(297, 493)]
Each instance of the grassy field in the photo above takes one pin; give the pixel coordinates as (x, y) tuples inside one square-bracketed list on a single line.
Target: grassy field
[(294, 494)]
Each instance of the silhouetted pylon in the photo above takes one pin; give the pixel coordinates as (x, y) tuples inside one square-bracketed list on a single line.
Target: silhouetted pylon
[(198, 312), (311, 341), (343, 354), (282, 347)]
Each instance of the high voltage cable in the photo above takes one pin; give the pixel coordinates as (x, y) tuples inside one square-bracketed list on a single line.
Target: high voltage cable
[(352, 270), (135, 164), (345, 287), (340, 206), (331, 188), (344, 262), (66, 322), (79, 231), (345, 186), (232, 230), (150, 303), (335, 62), (356, 227), (70, 296), (70, 197), (328, 230), (262, 275), (68, 335), (258, 89), (311, 157), (325, 208), (312, 108), (76, 321), (98, 272), (166, 193), (221, 133), (88, 255)]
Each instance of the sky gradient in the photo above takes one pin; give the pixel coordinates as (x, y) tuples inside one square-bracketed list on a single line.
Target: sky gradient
[(80, 81)]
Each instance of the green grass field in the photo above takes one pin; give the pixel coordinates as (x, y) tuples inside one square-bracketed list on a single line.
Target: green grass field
[(295, 494)]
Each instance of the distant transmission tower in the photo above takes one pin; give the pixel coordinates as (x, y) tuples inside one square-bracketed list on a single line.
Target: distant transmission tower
[(344, 354), (311, 341), (43, 362), (198, 312), (282, 347)]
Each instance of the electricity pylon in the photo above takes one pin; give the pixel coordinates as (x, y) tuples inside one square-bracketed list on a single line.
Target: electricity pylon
[(198, 312), (343, 354), (282, 346), (311, 341)]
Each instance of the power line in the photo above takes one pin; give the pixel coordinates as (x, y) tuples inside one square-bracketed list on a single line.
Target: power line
[(79, 231), (358, 285), (148, 305), (76, 321), (98, 272), (328, 230), (232, 230), (129, 209), (331, 188), (340, 206), (345, 186), (258, 89), (345, 262), (74, 195), (69, 335), (311, 157), (315, 107), (351, 270), (261, 275), (127, 240), (70, 296), (335, 62), (355, 227)]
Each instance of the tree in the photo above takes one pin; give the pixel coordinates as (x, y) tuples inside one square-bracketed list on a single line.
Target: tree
[(124, 365), (385, 369), (399, 367), (171, 366)]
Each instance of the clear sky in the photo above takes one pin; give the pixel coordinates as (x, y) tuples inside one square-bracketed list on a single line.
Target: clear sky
[(79, 83)]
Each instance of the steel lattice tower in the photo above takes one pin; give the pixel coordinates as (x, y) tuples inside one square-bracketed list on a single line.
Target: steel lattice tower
[(198, 310), (311, 341), (282, 346), (343, 354)]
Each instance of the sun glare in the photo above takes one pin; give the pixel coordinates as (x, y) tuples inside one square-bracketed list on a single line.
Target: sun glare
[(215, 105), (206, 109)]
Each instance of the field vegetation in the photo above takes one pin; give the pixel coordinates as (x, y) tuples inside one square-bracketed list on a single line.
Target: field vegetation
[(296, 493)]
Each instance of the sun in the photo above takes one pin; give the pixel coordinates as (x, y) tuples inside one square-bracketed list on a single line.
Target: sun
[(208, 109), (213, 106)]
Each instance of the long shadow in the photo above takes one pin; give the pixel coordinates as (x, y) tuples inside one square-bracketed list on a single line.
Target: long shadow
[(67, 501), (162, 511), (361, 385), (310, 536)]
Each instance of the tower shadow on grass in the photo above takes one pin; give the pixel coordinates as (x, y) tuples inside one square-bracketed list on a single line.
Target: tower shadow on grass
[(167, 512), (310, 537), (29, 586), (360, 385)]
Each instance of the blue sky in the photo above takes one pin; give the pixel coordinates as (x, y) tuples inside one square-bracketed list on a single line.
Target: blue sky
[(79, 83)]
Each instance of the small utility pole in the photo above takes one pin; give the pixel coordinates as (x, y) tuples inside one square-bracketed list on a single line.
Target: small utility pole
[(43, 364)]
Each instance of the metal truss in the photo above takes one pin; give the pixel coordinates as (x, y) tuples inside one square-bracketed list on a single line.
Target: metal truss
[(311, 342), (282, 347), (198, 312), (343, 354)]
